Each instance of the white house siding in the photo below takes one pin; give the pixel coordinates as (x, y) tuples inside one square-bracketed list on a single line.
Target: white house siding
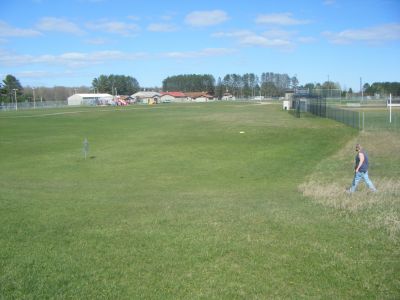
[(201, 99), (75, 100), (146, 97), (180, 99), (89, 99), (167, 98)]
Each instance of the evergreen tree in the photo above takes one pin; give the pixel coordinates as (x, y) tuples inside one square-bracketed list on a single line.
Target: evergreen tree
[(11, 87)]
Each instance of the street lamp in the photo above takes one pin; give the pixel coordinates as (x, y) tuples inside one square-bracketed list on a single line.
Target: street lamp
[(15, 97), (34, 98)]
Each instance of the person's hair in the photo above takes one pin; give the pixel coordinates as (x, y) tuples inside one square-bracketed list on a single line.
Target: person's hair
[(358, 146)]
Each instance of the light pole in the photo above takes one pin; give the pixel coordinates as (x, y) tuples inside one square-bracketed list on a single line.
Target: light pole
[(15, 97), (329, 87), (361, 90), (34, 98)]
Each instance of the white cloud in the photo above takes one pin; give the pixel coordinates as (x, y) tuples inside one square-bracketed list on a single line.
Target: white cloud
[(283, 19), (134, 18), (374, 35), (329, 2), (58, 25), (34, 74), (306, 39), (161, 27), (96, 41), (206, 18), (269, 39), (207, 52), (8, 31), (10, 59), (116, 27), (70, 59), (279, 33)]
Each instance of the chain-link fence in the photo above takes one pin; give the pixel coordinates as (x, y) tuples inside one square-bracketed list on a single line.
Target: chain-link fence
[(348, 117), (32, 105), (380, 119), (363, 116)]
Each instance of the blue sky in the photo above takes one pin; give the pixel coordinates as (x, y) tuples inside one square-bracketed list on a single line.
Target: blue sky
[(69, 43)]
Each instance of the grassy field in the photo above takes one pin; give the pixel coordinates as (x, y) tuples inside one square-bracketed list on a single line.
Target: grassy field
[(174, 202)]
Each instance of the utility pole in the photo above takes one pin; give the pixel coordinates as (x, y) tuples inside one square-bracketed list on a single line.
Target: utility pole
[(390, 108), (34, 98), (329, 87), (15, 97)]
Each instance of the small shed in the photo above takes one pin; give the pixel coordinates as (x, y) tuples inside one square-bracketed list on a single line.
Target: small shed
[(228, 96), (287, 104)]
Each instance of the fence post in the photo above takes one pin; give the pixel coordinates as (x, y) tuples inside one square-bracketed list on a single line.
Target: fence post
[(363, 127), (390, 108)]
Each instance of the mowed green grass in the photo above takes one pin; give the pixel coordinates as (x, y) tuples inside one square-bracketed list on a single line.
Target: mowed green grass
[(173, 202)]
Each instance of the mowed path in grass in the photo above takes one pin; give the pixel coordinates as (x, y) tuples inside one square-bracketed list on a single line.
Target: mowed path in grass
[(174, 202)]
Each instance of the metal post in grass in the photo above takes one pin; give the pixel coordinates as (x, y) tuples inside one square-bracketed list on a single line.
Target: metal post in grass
[(363, 121), (390, 108), (34, 98), (15, 97), (85, 147)]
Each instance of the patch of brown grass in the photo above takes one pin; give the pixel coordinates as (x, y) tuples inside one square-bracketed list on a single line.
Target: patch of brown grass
[(335, 195), (383, 206), (328, 183)]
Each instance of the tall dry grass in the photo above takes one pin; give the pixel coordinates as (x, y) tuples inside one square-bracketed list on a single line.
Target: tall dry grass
[(328, 183)]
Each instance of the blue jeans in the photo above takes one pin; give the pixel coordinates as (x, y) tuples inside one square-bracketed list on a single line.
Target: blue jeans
[(356, 180)]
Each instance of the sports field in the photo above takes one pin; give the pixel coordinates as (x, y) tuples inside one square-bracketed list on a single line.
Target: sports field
[(194, 201)]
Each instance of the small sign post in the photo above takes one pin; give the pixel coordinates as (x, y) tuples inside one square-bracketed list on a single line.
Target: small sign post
[(390, 108), (85, 147)]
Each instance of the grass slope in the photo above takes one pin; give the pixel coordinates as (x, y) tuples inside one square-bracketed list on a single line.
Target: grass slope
[(382, 209), (173, 202)]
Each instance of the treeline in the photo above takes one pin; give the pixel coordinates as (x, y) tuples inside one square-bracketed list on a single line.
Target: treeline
[(11, 88), (108, 84), (115, 85), (248, 85), (241, 86), (189, 83), (382, 88)]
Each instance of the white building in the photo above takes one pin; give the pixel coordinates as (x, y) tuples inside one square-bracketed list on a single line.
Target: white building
[(90, 99), (228, 96), (146, 97), (173, 97), (199, 96)]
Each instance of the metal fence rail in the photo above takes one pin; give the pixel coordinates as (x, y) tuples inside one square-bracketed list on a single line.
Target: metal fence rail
[(358, 117), (348, 117), (32, 105)]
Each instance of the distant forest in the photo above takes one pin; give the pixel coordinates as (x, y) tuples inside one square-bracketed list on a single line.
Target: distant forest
[(248, 85)]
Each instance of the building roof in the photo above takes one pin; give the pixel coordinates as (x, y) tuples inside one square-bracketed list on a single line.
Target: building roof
[(195, 95), (174, 94), (146, 95), (93, 95)]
